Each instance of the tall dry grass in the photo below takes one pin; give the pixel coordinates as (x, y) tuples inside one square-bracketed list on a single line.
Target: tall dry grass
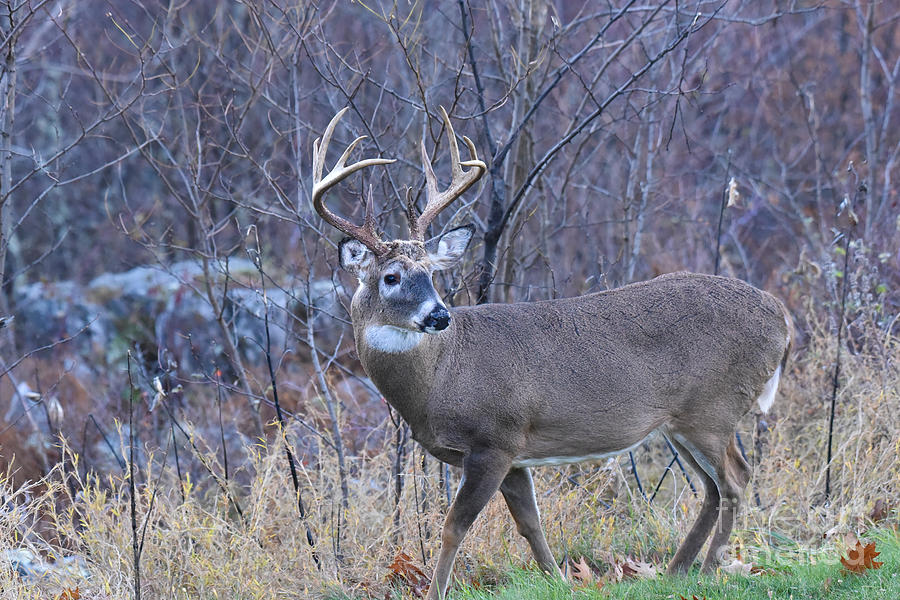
[(200, 547)]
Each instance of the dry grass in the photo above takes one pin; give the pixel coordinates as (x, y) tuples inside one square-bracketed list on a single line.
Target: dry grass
[(202, 548)]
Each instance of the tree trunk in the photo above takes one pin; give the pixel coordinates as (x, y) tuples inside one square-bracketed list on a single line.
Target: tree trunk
[(7, 114)]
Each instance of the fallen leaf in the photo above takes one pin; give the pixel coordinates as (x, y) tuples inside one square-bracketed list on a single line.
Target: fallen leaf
[(582, 572), (869, 555), (629, 568), (636, 569), (859, 558), (69, 594), (854, 562), (404, 571)]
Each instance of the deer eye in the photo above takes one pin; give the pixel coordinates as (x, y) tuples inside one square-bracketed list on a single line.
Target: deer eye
[(391, 279)]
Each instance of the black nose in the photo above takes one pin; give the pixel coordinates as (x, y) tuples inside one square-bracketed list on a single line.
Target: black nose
[(438, 319)]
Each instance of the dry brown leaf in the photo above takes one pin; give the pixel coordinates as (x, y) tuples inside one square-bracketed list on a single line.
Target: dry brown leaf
[(855, 563), (69, 594), (633, 569), (859, 558), (869, 555), (581, 572), (404, 571), (645, 570)]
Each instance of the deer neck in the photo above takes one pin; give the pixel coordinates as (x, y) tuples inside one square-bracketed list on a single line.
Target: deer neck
[(402, 366)]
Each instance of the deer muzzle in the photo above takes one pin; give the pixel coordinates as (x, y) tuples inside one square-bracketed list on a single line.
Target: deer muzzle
[(437, 320)]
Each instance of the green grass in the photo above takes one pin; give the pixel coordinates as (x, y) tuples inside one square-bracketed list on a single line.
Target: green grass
[(798, 581)]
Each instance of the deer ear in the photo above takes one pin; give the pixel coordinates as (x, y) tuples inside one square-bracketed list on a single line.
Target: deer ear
[(355, 257), (444, 250)]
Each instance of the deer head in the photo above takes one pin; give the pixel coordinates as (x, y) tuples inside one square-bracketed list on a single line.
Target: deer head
[(397, 297)]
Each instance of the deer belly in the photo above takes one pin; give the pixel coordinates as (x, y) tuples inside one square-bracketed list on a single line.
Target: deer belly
[(566, 459)]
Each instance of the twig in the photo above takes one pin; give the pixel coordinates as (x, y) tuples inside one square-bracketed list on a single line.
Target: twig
[(400, 436), (109, 445), (60, 341), (221, 425), (635, 473), (177, 462), (255, 255), (216, 478), (675, 459), (663, 478), (722, 205), (287, 450), (135, 545), (152, 500), (840, 340), (419, 509)]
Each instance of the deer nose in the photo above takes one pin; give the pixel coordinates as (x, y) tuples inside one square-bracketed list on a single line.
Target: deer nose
[(438, 319)]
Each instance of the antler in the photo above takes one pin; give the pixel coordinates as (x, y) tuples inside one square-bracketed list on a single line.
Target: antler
[(365, 233), (460, 181)]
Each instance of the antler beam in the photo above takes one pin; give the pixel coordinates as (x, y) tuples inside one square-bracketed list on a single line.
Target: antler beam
[(461, 180), (366, 232)]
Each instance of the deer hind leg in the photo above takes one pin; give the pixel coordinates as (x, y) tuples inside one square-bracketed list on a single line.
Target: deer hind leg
[(706, 520), (483, 473), (518, 491), (734, 478)]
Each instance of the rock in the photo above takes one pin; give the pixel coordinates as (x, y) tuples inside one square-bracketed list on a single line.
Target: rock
[(49, 312), (165, 314), (29, 565)]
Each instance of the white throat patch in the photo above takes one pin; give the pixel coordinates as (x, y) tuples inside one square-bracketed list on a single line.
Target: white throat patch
[(393, 340)]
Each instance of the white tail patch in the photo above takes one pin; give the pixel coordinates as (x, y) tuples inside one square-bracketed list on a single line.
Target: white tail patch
[(767, 398)]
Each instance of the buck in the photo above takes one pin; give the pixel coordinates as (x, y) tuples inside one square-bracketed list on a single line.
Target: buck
[(499, 388)]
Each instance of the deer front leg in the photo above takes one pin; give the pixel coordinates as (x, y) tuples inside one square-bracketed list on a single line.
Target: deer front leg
[(483, 471), (518, 490)]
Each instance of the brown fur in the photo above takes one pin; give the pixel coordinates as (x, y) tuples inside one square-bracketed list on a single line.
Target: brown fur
[(685, 353), (507, 385)]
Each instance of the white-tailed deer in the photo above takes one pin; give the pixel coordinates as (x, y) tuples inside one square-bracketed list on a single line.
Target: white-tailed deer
[(498, 388)]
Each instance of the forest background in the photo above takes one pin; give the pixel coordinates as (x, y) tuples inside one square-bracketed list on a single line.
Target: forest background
[(173, 323)]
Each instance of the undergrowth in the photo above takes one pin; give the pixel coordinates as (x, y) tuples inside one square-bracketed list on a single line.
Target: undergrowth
[(243, 537), (824, 579)]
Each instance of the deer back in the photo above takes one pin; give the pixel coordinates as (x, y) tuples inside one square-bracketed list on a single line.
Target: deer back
[(591, 374)]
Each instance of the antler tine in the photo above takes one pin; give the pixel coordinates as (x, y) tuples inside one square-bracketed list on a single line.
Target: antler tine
[(369, 218), (461, 180), (431, 186), (412, 212), (366, 233)]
